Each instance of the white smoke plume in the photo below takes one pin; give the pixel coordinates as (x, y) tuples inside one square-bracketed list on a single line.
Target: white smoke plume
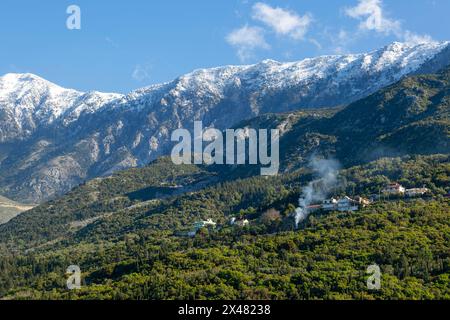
[(318, 190)]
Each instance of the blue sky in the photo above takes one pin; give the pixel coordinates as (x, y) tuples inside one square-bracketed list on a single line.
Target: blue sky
[(124, 45)]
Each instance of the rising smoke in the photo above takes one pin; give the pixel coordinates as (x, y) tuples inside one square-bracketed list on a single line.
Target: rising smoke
[(318, 190)]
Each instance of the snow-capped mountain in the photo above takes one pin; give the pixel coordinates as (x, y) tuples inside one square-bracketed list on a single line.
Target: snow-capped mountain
[(28, 102), (66, 136), (319, 80)]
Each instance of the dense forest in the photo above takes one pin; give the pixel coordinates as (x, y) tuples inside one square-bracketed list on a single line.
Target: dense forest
[(136, 252)]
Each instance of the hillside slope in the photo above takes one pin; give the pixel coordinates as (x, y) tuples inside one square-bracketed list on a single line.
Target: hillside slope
[(128, 231), (136, 254), (10, 209), (409, 118), (67, 137)]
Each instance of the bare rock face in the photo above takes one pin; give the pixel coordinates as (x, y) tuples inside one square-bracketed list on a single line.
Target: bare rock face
[(52, 139)]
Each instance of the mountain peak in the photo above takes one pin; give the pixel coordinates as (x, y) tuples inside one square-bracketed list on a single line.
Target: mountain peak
[(29, 101), (20, 76), (20, 84), (270, 62)]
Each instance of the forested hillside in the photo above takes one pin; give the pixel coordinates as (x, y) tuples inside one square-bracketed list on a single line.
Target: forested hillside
[(138, 253), (131, 232)]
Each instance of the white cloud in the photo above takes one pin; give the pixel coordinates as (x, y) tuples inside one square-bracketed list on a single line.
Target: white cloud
[(372, 17), (141, 73), (414, 38), (246, 40), (283, 22)]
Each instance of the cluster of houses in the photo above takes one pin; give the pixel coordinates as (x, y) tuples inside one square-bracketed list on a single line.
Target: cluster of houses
[(342, 204), (346, 204), (397, 189)]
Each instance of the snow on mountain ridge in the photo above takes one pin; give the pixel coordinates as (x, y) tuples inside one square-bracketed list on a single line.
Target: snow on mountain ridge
[(203, 87), (29, 101), (68, 136), (276, 74), (23, 86), (268, 74)]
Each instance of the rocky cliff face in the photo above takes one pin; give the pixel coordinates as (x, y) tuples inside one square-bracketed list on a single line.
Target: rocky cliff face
[(52, 139)]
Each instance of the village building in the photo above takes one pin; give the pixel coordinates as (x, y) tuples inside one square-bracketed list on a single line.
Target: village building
[(363, 202), (394, 189), (314, 208), (196, 227), (416, 192), (205, 224), (347, 204), (329, 204), (344, 204), (398, 190)]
